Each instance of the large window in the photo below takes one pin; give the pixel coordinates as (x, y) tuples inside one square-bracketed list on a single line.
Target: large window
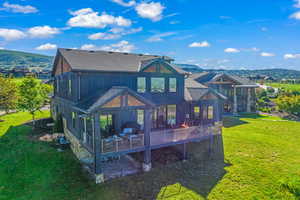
[(171, 115), (210, 112), (197, 112), (157, 84), (140, 118), (172, 85), (141, 84)]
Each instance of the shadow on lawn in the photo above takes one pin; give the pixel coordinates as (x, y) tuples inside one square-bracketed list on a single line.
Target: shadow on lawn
[(200, 173), (231, 121)]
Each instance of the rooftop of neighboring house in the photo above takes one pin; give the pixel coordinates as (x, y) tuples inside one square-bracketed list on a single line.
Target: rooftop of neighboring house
[(209, 77)]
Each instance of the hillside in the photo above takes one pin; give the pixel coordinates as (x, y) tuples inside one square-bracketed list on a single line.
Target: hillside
[(10, 59), (190, 68)]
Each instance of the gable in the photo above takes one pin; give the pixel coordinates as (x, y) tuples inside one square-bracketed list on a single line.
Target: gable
[(60, 65), (159, 67), (223, 79), (209, 96), (123, 101)]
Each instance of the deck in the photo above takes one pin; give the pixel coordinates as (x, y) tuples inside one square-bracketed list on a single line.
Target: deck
[(158, 139)]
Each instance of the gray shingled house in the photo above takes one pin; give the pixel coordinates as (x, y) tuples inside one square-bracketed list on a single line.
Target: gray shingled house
[(240, 92), (114, 105)]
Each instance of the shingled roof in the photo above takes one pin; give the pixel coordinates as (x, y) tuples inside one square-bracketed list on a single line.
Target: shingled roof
[(108, 61)]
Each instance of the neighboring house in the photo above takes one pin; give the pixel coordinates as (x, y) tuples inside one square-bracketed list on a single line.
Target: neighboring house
[(114, 104), (240, 92)]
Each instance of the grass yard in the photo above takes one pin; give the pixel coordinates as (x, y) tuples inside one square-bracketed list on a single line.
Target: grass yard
[(289, 87), (262, 161)]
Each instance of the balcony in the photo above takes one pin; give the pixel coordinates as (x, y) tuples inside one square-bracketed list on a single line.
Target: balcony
[(159, 138)]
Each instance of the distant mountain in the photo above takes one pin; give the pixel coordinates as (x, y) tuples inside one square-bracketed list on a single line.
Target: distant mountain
[(190, 68), (10, 59), (274, 73)]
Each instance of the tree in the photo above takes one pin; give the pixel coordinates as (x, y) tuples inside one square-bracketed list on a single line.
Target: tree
[(289, 104), (8, 94), (33, 95)]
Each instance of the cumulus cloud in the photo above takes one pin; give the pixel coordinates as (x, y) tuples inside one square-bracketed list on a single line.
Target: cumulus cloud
[(159, 37), (11, 34), (152, 10), (199, 44), (122, 46), (295, 15), (47, 46), (291, 56), (43, 31), (266, 54), (125, 4), (114, 33), (88, 18), (297, 4), (16, 8), (231, 50), (1, 48)]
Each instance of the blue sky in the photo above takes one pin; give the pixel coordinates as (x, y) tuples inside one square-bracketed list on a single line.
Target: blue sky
[(229, 34)]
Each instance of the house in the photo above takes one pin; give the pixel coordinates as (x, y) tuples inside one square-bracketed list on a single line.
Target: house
[(116, 104), (240, 92)]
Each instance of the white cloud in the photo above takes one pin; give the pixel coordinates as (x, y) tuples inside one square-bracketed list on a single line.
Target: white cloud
[(11, 34), (16, 8), (115, 34), (122, 46), (296, 15), (104, 36), (297, 5), (231, 50), (125, 4), (159, 37), (264, 29), (200, 44), (152, 10), (265, 54), (43, 31), (47, 46), (1, 48), (291, 56), (88, 18)]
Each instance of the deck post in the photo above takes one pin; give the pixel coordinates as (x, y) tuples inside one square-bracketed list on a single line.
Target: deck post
[(249, 100), (184, 153), (99, 177), (234, 100), (147, 140)]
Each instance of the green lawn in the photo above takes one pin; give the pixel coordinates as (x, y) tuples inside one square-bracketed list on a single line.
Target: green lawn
[(290, 87), (262, 161)]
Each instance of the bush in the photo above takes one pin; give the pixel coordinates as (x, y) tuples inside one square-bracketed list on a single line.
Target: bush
[(289, 104)]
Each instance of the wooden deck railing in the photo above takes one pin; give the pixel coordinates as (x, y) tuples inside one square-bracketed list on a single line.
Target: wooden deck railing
[(122, 143)]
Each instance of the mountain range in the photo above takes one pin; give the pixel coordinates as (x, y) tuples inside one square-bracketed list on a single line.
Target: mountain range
[(10, 59)]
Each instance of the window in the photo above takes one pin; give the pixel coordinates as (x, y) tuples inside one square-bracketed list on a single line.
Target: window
[(141, 84), (171, 115), (73, 119), (210, 112), (157, 84), (197, 112), (70, 86), (172, 85), (204, 112), (161, 117), (140, 118), (57, 85)]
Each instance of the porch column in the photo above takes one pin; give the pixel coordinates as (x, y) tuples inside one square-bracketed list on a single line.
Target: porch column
[(249, 100), (99, 176), (147, 140), (234, 100), (184, 153)]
